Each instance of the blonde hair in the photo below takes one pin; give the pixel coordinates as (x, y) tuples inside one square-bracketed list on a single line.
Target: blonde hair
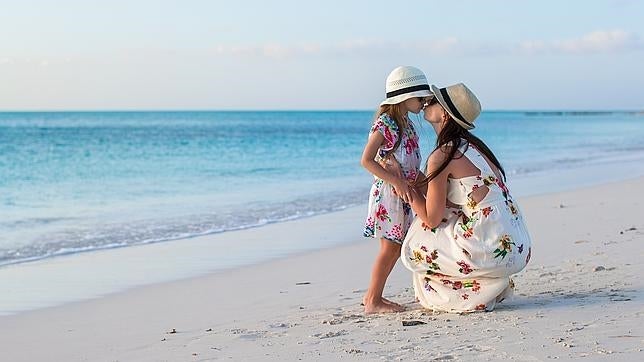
[(395, 112)]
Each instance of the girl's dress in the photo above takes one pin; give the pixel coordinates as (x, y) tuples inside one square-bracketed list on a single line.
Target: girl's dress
[(389, 217), (465, 263)]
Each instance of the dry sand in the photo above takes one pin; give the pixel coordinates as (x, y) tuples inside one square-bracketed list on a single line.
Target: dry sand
[(579, 298)]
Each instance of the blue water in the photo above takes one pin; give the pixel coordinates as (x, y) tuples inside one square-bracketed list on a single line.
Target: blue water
[(79, 181)]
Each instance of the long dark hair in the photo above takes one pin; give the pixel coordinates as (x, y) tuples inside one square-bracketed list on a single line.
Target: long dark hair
[(395, 112), (449, 140)]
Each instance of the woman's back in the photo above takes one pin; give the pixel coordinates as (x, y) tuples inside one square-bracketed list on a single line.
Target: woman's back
[(471, 174)]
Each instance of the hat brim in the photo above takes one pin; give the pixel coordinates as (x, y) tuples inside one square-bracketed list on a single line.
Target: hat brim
[(436, 92), (403, 97)]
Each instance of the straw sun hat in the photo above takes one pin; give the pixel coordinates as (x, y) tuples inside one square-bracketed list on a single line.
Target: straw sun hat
[(460, 103), (405, 82)]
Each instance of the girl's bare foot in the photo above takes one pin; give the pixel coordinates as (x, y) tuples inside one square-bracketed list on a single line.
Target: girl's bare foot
[(381, 307), (384, 300)]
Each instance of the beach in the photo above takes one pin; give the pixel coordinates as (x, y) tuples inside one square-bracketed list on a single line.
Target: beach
[(579, 298), (195, 183)]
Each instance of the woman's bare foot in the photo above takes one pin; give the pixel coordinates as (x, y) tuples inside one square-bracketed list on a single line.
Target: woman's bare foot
[(380, 306)]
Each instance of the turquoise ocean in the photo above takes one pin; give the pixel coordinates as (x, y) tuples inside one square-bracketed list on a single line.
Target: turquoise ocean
[(75, 182)]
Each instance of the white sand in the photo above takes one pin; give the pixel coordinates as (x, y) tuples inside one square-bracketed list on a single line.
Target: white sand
[(581, 297)]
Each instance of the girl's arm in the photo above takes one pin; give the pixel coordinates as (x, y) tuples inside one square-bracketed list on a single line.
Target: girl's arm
[(376, 139), (432, 209)]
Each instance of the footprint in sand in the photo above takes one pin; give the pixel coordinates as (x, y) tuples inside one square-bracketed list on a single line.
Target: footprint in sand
[(339, 318), (246, 334), (341, 332)]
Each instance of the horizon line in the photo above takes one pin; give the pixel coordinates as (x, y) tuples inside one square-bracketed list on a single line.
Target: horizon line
[(526, 110)]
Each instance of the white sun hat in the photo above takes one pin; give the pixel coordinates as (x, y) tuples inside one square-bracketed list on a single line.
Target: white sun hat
[(460, 103), (405, 82)]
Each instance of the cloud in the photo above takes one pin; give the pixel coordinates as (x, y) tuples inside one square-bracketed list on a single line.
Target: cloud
[(361, 48), (269, 50), (453, 46), (613, 41), (596, 42), (44, 62), (354, 47), (600, 41)]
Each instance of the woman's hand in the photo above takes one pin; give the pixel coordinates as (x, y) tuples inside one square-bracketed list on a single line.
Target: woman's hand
[(403, 190), (391, 165)]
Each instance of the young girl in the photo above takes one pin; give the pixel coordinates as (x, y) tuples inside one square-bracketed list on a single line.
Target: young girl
[(392, 138), (469, 236)]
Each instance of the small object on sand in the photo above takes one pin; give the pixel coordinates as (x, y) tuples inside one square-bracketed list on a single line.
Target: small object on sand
[(173, 331), (581, 241), (163, 340), (629, 229), (332, 321), (621, 298), (278, 325), (302, 283), (354, 350), (412, 323), (209, 330), (598, 268), (561, 205)]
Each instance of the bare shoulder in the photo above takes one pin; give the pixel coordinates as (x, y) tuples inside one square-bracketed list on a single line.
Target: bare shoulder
[(437, 159), (438, 156), (441, 154)]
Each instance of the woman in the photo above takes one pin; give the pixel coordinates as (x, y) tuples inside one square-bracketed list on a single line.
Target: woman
[(468, 237)]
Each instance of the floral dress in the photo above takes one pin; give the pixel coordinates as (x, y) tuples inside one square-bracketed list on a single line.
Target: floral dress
[(389, 217), (465, 263)]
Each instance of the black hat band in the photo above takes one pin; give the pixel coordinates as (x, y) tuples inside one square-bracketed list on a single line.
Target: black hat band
[(407, 90), (452, 107)]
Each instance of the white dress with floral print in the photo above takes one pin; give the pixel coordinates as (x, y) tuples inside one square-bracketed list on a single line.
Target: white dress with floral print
[(389, 217), (465, 263)]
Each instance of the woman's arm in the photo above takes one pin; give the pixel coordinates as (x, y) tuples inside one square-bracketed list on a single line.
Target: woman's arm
[(423, 188), (432, 209)]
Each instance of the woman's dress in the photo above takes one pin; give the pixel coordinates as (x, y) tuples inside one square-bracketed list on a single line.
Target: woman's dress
[(465, 263)]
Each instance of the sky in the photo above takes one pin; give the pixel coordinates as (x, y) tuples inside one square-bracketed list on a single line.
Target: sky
[(316, 55)]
